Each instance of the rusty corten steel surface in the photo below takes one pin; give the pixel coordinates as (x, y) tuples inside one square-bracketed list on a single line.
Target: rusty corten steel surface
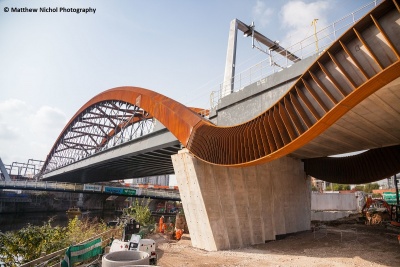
[(334, 84), (135, 119), (178, 118), (317, 100)]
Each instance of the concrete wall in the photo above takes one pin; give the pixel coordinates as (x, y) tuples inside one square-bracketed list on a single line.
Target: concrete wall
[(326, 216), (228, 208), (327, 201), (254, 99), (333, 206)]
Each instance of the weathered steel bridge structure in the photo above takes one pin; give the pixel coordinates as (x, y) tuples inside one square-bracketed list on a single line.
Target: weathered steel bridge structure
[(346, 100)]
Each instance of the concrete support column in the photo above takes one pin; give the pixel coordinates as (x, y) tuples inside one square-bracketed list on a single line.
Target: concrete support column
[(227, 86), (229, 208)]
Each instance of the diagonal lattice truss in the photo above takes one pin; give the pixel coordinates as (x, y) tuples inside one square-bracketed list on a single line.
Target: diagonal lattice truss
[(97, 128)]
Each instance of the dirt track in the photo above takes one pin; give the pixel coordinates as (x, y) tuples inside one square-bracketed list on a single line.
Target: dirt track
[(345, 244)]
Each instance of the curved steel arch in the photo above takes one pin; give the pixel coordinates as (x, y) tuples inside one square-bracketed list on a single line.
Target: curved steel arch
[(94, 127), (334, 84), (108, 114)]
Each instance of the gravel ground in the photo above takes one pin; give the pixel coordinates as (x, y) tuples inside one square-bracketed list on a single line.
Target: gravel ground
[(348, 243)]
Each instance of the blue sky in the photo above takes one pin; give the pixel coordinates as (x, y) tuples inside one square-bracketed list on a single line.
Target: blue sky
[(53, 63)]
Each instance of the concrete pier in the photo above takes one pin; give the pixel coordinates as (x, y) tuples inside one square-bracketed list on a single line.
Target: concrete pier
[(229, 208)]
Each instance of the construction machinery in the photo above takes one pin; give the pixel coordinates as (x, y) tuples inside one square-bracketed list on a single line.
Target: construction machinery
[(376, 211)]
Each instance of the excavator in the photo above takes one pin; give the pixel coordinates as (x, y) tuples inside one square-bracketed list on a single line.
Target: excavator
[(377, 210)]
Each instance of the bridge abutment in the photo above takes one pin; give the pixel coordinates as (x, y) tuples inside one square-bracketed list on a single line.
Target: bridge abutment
[(227, 207)]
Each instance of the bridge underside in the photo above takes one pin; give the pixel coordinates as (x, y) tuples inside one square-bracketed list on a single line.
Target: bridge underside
[(373, 126), (149, 156), (373, 123)]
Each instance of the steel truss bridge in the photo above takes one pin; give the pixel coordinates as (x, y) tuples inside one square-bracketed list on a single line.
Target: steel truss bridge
[(80, 188), (346, 101)]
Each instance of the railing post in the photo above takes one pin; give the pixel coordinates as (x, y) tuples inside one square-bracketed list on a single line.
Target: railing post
[(301, 49), (286, 58), (250, 76), (334, 31)]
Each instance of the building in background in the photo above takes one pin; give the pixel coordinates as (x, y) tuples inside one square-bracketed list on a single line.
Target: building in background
[(155, 180)]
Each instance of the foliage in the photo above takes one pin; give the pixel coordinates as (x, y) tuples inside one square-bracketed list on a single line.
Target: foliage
[(81, 230), (314, 188), (369, 187), (31, 242), (338, 187), (140, 211), (359, 188)]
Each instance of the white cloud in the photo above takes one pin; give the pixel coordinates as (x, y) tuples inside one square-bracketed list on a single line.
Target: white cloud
[(48, 121), (8, 132), (262, 14), (11, 112), (297, 17), (12, 106), (27, 132)]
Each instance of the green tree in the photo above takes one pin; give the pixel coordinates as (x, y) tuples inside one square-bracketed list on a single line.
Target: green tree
[(140, 211), (314, 188), (369, 187), (328, 188), (81, 230), (359, 188), (30, 242), (338, 187)]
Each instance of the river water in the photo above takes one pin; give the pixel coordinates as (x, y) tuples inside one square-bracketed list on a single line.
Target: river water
[(16, 221)]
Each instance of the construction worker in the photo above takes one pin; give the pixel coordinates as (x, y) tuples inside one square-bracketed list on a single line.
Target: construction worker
[(161, 224), (178, 234)]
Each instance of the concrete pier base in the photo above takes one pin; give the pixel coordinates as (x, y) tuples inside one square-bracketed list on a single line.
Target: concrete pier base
[(229, 208)]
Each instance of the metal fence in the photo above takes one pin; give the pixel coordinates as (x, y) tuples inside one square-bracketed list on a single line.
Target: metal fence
[(54, 258)]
